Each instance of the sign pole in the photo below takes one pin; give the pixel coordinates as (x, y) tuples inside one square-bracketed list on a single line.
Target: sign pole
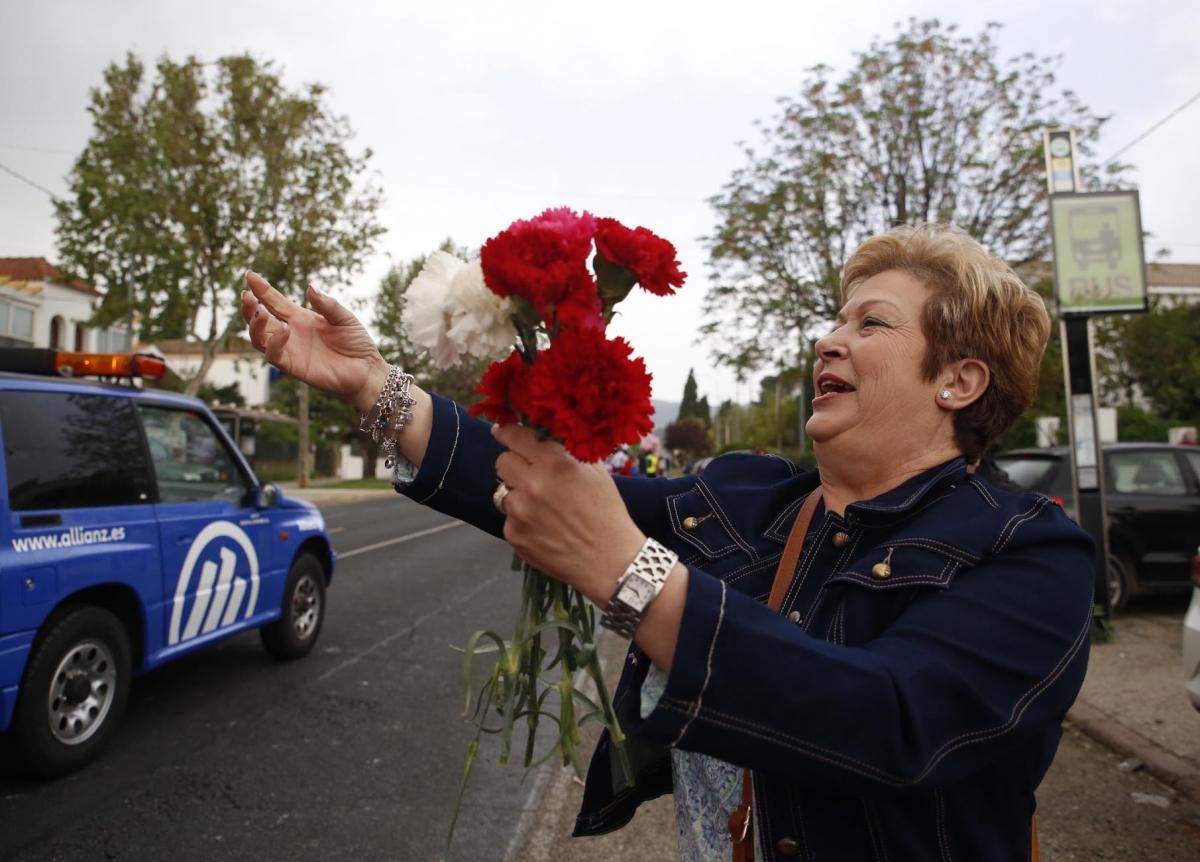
[(1099, 269)]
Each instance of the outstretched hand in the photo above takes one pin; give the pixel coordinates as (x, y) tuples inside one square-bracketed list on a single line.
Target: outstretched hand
[(325, 346)]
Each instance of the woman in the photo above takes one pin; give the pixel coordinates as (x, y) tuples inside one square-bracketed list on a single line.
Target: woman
[(906, 700)]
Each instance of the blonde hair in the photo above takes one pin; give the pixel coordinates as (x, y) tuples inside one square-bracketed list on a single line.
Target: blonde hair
[(978, 308)]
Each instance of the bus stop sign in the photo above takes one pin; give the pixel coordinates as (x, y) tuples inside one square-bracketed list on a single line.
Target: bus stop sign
[(1098, 260)]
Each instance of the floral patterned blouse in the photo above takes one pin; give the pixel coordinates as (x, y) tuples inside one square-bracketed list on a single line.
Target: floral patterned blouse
[(707, 791)]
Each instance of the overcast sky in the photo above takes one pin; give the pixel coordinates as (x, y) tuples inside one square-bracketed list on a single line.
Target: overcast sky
[(482, 112)]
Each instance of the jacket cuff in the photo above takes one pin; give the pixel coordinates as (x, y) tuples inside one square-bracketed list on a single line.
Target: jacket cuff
[(699, 629)]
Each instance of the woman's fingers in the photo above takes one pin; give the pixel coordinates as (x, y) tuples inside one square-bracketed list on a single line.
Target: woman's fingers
[(262, 327), (278, 304), (329, 308), (274, 345), (512, 469), (524, 441)]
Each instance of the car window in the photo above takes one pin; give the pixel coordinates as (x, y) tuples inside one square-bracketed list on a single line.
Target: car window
[(1193, 458), (191, 463), (70, 451), (1150, 472), (1032, 474)]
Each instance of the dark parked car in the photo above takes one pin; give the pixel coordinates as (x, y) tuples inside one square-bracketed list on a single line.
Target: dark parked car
[(1153, 501)]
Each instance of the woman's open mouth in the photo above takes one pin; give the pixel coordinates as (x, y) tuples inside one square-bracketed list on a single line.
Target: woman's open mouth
[(830, 386)]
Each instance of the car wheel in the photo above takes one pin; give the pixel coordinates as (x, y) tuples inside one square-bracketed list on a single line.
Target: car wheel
[(75, 689), (1120, 582), (302, 611)]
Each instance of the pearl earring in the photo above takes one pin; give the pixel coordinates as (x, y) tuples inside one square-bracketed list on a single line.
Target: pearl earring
[(945, 393)]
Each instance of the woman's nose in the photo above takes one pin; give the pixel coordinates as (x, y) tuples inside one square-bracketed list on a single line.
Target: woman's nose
[(830, 346)]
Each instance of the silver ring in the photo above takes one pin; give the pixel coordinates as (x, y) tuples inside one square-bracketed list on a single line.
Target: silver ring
[(498, 496)]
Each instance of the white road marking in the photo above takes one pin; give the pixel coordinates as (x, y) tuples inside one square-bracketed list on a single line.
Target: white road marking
[(333, 530), (343, 555)]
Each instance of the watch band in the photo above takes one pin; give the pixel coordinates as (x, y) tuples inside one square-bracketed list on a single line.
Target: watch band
[(641, 583)]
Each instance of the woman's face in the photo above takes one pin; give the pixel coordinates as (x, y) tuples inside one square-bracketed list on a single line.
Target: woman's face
[(870, 394)]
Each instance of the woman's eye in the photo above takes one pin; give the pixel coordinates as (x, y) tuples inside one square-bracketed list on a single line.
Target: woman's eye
[(872, 321)]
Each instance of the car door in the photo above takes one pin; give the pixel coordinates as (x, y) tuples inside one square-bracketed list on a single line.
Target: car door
[(1153, 510), (79, 509), (212, 537)]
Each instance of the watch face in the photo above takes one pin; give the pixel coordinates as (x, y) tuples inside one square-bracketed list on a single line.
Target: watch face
[(637, 593), (1060, 147)]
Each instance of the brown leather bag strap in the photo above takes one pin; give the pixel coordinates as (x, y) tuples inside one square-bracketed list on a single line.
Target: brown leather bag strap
[(792, 550), (741, 821)]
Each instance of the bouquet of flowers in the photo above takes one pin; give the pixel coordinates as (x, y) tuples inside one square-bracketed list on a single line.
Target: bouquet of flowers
[(531, 292)]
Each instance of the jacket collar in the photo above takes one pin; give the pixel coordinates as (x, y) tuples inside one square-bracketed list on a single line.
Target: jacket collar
[(908, 495), (888, 505)]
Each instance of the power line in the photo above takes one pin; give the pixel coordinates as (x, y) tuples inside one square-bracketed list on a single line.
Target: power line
[(1153, 128), (27, 181), (4, 146)]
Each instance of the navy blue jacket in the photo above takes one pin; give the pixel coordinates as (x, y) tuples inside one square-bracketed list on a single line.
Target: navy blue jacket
[(886, 718)]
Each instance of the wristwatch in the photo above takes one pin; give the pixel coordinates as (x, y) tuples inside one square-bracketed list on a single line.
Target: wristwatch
[(638, 587)]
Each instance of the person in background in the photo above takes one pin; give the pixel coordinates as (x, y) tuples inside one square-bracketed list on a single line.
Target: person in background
[(907, 696)]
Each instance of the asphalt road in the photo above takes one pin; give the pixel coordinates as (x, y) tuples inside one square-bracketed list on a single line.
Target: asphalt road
[(352, 753)]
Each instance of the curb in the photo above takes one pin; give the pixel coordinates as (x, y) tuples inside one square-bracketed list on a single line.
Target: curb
[(324, 497), (1181, 775)]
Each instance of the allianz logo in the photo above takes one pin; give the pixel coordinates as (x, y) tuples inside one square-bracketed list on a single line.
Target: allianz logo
[(219, 595)]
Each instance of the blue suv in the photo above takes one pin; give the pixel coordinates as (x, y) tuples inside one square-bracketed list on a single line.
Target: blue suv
[(132, 532)]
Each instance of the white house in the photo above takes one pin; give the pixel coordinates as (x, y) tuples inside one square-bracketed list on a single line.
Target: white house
[(40, 307), (239, 364)]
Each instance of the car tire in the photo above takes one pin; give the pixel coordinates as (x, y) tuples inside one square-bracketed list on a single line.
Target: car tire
[(1120, 582), (302, 611), (74, 692)]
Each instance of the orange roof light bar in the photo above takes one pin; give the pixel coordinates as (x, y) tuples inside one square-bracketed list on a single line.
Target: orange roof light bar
[(109, 365)]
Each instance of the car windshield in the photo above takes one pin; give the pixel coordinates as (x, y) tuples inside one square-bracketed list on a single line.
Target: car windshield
[(1032, 474)]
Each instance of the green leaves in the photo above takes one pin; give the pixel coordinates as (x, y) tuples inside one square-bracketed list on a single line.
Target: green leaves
[(517, 687), (202, 171), (929, 125)]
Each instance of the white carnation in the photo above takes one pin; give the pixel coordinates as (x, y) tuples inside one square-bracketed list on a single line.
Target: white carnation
[(426, 317), (449, 311), (481, 323)]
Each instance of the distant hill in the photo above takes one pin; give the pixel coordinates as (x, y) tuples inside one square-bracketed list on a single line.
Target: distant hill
[(665, 412)]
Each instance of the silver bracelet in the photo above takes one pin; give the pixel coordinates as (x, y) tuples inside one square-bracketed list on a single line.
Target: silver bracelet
[(390, 413)]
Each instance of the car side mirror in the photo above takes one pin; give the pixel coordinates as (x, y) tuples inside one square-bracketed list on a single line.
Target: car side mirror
[(267, 496)]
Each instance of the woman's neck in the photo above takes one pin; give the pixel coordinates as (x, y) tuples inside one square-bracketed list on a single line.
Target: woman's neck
[(850, 480)]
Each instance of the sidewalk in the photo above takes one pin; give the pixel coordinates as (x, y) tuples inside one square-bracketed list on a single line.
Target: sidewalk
[(1132, 701), (323, 496)]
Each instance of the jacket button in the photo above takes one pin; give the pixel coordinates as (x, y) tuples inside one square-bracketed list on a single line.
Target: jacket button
[(788, 847), (794, 616), (840, 539), (689, 523)]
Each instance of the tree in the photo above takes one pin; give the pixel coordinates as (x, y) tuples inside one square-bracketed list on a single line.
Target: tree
[(929, 126), (689, 434), (691, 406), (1154, 355), (199, 174)]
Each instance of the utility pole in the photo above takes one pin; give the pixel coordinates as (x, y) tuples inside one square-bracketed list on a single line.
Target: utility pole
[(302, 459), (1099, 269)]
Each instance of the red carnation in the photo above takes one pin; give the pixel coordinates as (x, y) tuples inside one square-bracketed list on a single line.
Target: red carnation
[(500, 387), (648, 256), (589, 392), (544, 261)]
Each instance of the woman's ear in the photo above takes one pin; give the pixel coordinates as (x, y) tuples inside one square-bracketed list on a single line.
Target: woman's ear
[(963, 384)]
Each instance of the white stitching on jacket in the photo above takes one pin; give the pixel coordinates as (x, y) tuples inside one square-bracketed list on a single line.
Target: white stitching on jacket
[(1016, 521), (720, 513), (983, 492), (844, 761), (449, 461), (943, 840), (712, 646)]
